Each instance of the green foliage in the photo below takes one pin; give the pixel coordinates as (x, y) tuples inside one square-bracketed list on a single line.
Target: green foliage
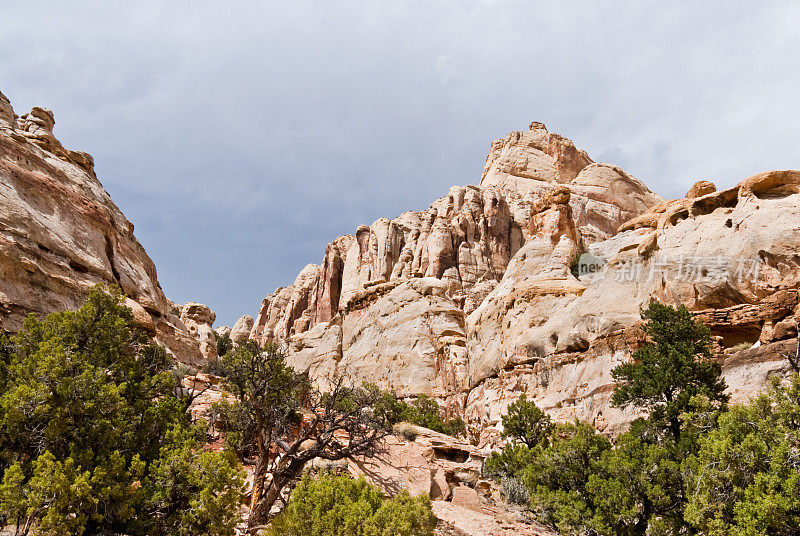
[(668, 373), (342, 506), (205, 486), (558, 475), (744, 479), (266, 390), (214, 367), (422, 411), (88, 418), (283, 421), (510, 461), (692, 466), (526, 423), (224, 344), (636, 489), (555, 473)]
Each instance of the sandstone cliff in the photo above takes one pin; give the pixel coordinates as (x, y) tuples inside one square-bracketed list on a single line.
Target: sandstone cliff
[(60, 233), (473, 300), (476, 299)]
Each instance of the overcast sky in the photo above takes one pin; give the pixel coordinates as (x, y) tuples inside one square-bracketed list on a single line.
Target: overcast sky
[(242, 137)]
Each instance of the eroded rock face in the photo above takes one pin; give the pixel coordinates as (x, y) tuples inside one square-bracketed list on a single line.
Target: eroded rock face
[(241, 329), (198, 319), (423, 462), (739, 251), (465, 239), (480, 298), (60, 233), (390, 303), (7, 117)]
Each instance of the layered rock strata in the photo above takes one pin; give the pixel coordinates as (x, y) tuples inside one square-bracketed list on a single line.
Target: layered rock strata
[(60, 234), (410, 303), (480, 297)]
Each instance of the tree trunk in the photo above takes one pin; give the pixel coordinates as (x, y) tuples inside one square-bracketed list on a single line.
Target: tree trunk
[(644, 519), (281, 477), (259, 511), (259, 476), (675, 427)]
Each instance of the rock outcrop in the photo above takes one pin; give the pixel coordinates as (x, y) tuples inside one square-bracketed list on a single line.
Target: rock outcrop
[(198, 319), (475, 300), (390, 304), (240, 332), (481, 298), (731, 256), (60, 233), (465, 239)]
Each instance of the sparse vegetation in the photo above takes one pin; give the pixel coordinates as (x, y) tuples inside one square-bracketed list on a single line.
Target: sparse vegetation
[(214, 367), (279, 419), (422, 411), (741, 346), (514, 491), (692, 466)]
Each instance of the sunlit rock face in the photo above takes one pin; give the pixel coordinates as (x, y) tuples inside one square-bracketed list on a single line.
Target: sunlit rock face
[(60, 233), (480, 298), (452, 300), (473, 301)]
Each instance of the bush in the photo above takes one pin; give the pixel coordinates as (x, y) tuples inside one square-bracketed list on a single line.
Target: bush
[(554, 474), (224, 344), (331, 505), (509, 462), (745, 476), (526, 423), (514, 491), (93, 439), (214, 367), (423, 411)]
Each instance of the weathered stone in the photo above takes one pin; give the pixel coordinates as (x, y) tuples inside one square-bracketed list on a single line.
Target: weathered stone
[(199, 319), (7, 117), (486, 521), (421, 461), (700, 188), (60, 234), (241, 329), (398, 465), (466, 497)]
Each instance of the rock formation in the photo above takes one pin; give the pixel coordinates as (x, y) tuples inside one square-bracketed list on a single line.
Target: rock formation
[(391, 304), (198, 319), (477, 299), (60, 233), (473, 301), (241, 329)]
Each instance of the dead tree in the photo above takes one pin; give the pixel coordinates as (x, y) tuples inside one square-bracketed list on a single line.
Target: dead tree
[(280, 420)]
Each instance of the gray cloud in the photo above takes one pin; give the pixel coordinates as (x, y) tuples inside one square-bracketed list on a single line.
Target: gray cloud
[(241, 137)]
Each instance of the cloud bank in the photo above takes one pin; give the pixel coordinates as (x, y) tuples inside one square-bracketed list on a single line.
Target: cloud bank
[(241, 137)]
